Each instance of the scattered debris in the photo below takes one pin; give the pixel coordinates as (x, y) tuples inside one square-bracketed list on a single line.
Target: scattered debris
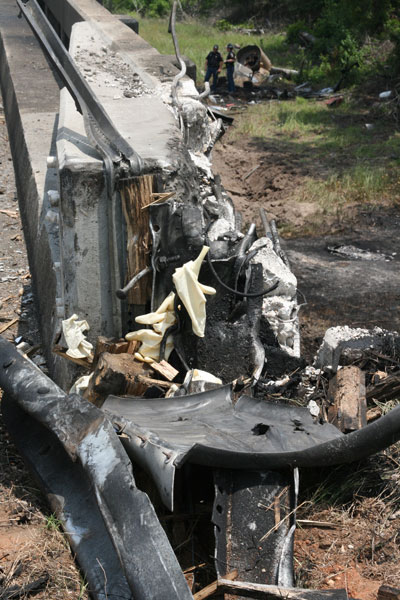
[(354, 253), (334, 102), (23, 591), (3, 328)]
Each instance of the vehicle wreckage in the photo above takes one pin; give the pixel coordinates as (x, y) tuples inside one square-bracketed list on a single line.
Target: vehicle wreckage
[(121, 456)]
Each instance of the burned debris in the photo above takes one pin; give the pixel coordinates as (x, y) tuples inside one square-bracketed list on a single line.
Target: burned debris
[(183, 436)]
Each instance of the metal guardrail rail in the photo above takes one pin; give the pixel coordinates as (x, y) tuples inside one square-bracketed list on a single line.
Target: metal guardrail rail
[(119, 157)]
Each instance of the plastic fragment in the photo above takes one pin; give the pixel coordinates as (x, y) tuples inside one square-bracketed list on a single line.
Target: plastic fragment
[(192, 292), (81, 384), (78, 345), (160, 320)]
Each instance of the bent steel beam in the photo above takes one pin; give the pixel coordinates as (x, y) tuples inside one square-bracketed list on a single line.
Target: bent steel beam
[(111, 525)]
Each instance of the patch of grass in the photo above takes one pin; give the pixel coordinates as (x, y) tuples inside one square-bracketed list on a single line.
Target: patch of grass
[(83, 589), (196, 39), (53, 523), (347, 162)]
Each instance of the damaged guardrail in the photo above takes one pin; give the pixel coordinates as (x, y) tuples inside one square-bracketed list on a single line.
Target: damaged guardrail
[(250, 449), (74, 451)]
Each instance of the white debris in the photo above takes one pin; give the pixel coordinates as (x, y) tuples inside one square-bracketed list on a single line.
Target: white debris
[(160, 320), (192, 292), (81, 384), (78, 345), (274, 268), (202, 162), (199, 375), (313, 408), (280, 306), (219, 228), (282, 316), (197, 381)]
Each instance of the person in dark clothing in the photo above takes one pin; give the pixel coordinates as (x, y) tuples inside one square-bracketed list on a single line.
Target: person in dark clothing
[(230, 67), (214, 62)]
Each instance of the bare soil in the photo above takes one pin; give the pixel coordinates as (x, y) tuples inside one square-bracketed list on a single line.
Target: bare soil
[(335, 290), (32, 547)]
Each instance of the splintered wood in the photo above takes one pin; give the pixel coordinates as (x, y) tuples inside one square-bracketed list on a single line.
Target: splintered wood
[(165, 370), (116, 374), (136, 195), (348, 404), (113, 346)]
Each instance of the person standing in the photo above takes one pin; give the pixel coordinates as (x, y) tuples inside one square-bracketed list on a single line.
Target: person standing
[(214, 62), (230, 67)]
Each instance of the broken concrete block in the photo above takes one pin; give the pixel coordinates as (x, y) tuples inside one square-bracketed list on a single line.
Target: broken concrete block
[(337, 339), (274, 268)]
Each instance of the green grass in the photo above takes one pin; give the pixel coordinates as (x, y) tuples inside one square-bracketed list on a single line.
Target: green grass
[(197, 38), (347, 162), (53, 523)]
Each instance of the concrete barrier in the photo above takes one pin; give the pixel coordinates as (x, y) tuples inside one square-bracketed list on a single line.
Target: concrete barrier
[(31, 100), (76, 247)]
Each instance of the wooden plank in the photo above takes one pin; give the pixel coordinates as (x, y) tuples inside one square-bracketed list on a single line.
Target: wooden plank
[(270, 592), (209, 590), (135, 195), (165, 370), (148, 381), (87, 363), (9, 324), (117, 374), (347, 397)]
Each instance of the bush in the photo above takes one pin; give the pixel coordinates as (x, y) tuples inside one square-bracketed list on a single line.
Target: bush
[(393, 30), (223, 25)]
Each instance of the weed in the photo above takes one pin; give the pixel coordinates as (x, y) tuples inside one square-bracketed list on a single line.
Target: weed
[(53, 523), (196, 39), (84, 585)]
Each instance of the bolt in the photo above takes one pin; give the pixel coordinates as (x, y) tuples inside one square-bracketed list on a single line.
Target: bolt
[(43, 390)]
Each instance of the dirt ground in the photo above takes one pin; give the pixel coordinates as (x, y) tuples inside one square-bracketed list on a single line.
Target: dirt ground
[(335, 289), (359, 548), (32, 547)]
